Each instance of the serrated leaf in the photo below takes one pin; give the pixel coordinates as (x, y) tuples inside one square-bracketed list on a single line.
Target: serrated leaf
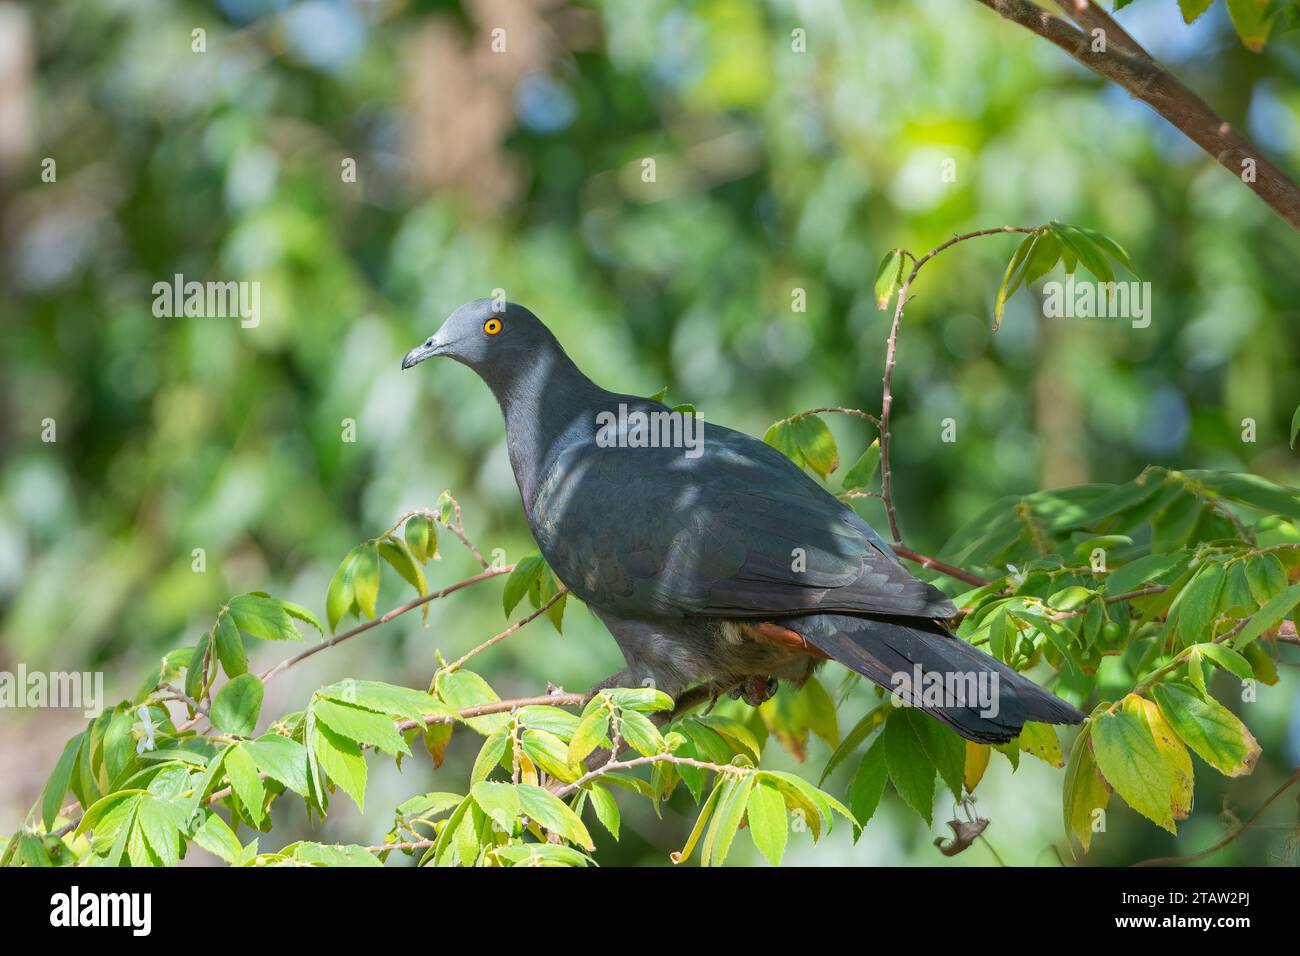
[(889, 276), (365, 579), (341, 760), (237, 705), (393, 550), (1041, 741), (527, 571), (1084, 792), (341, 598), (816, 444), (910, 769), (868, 784), (56, 787), (360, 725), (554, 815), (1128, 758), (1177, 760), (1269, 616), (602, 801), (864, 469), (245, 782), (499, 801), (489, 755), (230, 647), (1211, 730), (781, 436), (262, 616), (281, 759), (215, 836)]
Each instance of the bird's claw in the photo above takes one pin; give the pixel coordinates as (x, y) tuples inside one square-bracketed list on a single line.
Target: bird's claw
[(756, 690)]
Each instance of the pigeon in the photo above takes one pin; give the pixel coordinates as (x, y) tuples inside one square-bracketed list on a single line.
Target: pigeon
[(717, 564)]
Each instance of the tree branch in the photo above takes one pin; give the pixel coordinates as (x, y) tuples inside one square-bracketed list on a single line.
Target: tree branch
[(1123, 61), (891, 352)]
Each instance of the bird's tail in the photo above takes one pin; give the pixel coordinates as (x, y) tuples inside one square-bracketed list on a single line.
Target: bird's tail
[(976, 695)]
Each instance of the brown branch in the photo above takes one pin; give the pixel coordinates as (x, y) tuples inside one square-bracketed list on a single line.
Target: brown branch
[(1148, 81), (1231, 836), (383, 619), (891, 352), (926, 561)]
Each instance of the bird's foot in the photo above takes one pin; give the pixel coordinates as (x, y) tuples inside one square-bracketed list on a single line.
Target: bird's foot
[(755, 691)]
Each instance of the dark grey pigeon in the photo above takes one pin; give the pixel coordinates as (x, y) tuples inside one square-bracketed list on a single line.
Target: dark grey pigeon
[(717, 565)]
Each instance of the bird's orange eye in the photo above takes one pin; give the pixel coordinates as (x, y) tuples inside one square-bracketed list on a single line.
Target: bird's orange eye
[(492, 326)]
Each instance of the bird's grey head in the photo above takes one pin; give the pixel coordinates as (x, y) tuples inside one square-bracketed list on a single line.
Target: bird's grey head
[(492, 337)]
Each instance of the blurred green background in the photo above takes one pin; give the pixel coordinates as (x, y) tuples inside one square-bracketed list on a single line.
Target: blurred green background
[(775, 170)]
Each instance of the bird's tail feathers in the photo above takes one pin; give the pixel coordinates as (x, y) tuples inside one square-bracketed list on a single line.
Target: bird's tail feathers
[(925, 666)]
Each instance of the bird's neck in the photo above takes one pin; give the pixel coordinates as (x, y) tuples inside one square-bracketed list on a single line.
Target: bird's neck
[(546, 403)]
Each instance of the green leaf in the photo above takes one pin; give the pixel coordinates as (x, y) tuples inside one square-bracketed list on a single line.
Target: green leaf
[(945, 749), (162, 828), (864, 469), (640, 733), (1252, 20), (262, 616), (816, 444), (342, 596), (398, 702), (554, 815), (781, 436), (217, 838), (868, 783), (245, 782), (726, 819), (646, 699), (500, 801), (909, 768), (1089, 254), (298, 612), (1011, 279), (1211, 730), (1269, 616), (56, 787), (360, 725), (1083, 792), (1128, 758), (1228, 659), (421, 536), (551, 754), (1177, 761), (342, 762), (527, 571), (1295, 425), (230, 647), (1265, 576), (602, 801), (592, 730), (889, 276), (489, 755), (393, 550), (1041, 741), (198, 669), (1149, 569), (1192, 9), (281, 759), (237, 705), (1197, 604), (365, 579)]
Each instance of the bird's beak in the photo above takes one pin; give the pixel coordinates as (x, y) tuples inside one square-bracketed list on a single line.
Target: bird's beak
[(421, 352)]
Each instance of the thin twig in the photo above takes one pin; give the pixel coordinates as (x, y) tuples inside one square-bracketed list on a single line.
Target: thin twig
[(1231, 836), (460, 661), (891, 352)]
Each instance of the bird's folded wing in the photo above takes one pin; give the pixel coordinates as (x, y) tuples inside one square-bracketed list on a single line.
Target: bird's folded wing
[(738, 531)]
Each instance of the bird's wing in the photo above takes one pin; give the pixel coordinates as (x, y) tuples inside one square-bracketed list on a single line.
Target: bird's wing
[(738, 531)]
